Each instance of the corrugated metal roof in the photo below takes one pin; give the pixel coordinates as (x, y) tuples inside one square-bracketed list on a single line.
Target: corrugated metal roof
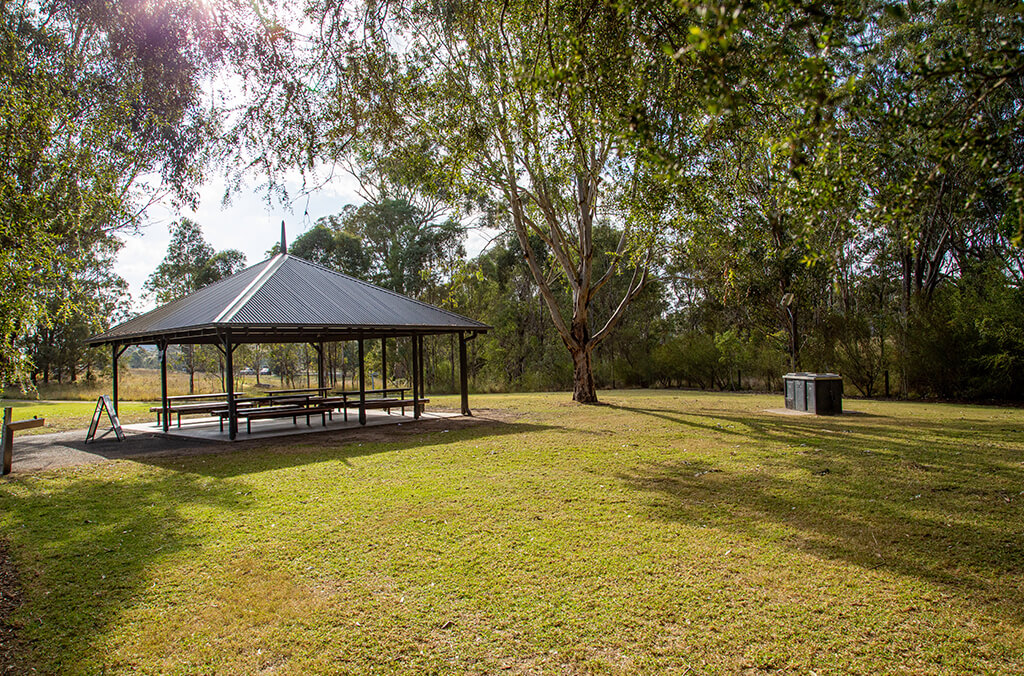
[(292, 292)]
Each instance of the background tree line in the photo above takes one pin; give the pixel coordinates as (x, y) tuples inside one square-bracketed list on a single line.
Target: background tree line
[(686, 195)]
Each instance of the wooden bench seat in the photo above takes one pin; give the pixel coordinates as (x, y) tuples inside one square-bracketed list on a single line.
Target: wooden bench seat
[(270, 412), (189, 409), (387, 403), (322, 407)]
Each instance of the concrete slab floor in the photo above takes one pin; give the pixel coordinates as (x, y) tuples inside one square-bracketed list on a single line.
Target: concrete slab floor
[(208, 428), (41, 452)]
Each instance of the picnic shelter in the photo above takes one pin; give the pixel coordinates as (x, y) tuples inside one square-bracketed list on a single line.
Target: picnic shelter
[(286, 299)]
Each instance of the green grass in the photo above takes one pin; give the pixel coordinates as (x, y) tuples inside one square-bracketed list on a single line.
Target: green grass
[(663, 532), (61, 416)]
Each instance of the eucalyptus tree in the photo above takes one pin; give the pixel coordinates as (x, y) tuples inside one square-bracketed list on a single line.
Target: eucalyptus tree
[(405, 247), (328, 244), (949, 78), (101, 113), (943, 107), (78, 305), (190, 263), (459, 98)]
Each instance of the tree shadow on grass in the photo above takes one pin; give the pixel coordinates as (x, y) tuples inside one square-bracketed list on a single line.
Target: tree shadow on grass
[(69, 449), (83, 546), (940, 501), (248, 457), (86, 543)]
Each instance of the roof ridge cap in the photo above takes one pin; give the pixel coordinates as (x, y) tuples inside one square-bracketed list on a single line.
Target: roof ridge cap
[(255, 285), (174, 300)]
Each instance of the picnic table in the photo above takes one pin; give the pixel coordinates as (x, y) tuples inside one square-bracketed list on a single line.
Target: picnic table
[(200, 403), (304, 390), (309, 402), (382, 400), (293, 411), (292, 406), (277, 399)]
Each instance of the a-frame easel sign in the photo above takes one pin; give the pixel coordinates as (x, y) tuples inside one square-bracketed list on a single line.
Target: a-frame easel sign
[(104, 404)]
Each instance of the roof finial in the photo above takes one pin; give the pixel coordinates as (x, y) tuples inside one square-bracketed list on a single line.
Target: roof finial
[(284, 240)]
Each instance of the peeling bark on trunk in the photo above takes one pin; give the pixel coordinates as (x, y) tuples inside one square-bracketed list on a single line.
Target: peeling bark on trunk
[(583, 389)]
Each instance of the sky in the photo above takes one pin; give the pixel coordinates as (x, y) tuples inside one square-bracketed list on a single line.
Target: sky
[(248, 223)]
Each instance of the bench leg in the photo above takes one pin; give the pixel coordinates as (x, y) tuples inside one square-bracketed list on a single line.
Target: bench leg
[(248, 425), (179, 421), (323, 418)]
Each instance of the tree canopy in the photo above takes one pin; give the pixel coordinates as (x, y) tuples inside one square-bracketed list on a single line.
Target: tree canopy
[(102, 113), (722, 187)]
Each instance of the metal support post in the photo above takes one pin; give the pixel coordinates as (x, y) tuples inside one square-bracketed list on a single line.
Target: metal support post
[(362, 383), (463, 374)]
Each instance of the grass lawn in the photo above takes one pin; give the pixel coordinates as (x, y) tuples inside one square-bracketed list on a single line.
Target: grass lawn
[(73, 415), (662, 532)]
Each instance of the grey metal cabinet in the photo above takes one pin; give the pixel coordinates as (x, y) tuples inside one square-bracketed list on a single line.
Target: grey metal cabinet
[(820, 393)]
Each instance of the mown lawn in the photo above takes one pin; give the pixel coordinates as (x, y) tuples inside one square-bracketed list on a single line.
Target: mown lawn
[(61, 416), (662, 532)]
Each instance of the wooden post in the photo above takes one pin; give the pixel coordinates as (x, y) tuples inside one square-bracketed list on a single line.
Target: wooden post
[(220, 364), (115, 372), (229, 367), (415, 377), (7, 431), (7, 441), (164, 405), (384, 364), (362, 383), (463, 374), (451, 359)]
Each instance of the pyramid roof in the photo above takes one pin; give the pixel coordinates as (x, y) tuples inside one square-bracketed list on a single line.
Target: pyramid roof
[(286, 299)]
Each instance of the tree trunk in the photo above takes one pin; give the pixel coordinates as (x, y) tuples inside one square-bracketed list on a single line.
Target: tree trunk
[(583, 389)]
